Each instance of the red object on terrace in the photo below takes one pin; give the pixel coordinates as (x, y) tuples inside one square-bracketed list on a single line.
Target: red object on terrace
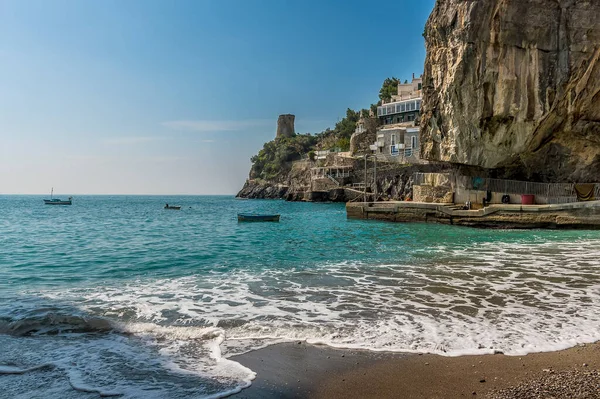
[(527, 199)]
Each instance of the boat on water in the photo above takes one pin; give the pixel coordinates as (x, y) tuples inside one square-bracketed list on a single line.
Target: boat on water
[(248, 217), (57, 201), (173, 207)]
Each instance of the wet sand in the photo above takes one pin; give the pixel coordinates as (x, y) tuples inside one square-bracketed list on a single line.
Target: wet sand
[(299, 370)]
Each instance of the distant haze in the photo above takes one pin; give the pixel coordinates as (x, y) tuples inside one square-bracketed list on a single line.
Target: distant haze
[(152, 97)]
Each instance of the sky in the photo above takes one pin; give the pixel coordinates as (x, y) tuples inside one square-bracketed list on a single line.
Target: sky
[(174, 97)]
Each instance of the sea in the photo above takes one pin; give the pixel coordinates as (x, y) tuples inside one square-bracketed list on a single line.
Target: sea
[(116, 296)]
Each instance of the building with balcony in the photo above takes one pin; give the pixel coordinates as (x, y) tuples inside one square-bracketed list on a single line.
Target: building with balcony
[(404, 106), (398, 137), (398, 144)]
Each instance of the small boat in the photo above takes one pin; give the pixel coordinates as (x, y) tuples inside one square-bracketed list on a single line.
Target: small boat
[(174, 207), (248, 217), (57, 201)]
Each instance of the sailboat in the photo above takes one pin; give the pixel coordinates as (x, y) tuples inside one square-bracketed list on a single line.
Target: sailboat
[(57, 201)]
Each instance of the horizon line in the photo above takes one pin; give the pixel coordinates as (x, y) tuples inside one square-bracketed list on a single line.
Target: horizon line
[(121, 194)]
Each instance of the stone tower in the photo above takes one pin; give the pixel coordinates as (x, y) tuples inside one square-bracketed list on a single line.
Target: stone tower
[(285, 125)]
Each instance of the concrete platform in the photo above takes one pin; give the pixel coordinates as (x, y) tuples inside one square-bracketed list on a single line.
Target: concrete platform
[(576, 215)]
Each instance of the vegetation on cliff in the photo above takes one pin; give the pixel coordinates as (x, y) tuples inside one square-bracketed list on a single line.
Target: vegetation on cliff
[(273, 161), (276, 156), (388, 89)]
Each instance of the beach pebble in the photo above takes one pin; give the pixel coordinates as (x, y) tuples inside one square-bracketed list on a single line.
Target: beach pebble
[(585, 364), (426, 364), (482, 380), (563, 384)]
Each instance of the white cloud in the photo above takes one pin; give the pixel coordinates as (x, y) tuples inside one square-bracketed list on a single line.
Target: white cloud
[(131, 140), (218, 126)]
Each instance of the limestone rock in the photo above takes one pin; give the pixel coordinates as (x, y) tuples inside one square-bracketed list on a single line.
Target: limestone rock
[(285, 125), (514, 86), (361, 140)]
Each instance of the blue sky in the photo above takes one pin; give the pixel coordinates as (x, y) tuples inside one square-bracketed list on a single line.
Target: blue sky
[(174, 97)]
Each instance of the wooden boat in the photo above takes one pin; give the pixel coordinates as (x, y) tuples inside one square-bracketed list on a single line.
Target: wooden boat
[(247, 217), (57, 201), (174, 207)]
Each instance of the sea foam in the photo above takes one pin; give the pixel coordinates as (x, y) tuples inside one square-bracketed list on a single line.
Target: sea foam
[(175, 336)]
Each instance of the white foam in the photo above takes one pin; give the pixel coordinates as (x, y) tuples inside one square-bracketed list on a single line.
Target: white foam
[(516, 297), (18, 370)]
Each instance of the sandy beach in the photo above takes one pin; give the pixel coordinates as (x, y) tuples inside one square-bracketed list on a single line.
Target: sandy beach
[(299, 370)]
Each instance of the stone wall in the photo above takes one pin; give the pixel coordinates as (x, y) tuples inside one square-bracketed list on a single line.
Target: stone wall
[(564, 216), (440, 194)]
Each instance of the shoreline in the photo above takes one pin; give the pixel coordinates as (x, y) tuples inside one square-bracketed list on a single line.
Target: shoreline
[(301, 370)]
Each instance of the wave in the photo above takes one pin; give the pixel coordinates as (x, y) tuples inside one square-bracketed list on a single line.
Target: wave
[(54, 323), (16, 370), (510, 297), (513, 297)]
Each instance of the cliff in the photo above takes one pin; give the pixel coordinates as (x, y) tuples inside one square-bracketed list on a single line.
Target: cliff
[(514, 86)]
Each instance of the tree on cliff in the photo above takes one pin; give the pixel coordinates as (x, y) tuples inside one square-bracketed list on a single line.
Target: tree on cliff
[(274, 160), (389, 88)]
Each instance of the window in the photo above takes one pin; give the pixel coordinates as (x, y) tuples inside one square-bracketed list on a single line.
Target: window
[(420, 86), (393, 139), (402, 107), (390, 110), (410, 117), (418, 104), (413, 142)]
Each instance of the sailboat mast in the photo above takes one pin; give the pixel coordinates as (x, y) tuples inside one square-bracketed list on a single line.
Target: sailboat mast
[(52, 193)]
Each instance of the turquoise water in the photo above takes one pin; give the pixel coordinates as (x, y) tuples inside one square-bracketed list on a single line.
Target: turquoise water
[(115, 295)]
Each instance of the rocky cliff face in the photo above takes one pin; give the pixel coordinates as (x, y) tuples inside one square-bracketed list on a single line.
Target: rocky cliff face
[(360, 142), (514, 86)]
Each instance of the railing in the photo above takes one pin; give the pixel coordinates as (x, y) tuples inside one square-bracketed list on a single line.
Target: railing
[(555, 193), (336, 174), (556, 190), (406, 155), (333, 180), (400, 106)]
